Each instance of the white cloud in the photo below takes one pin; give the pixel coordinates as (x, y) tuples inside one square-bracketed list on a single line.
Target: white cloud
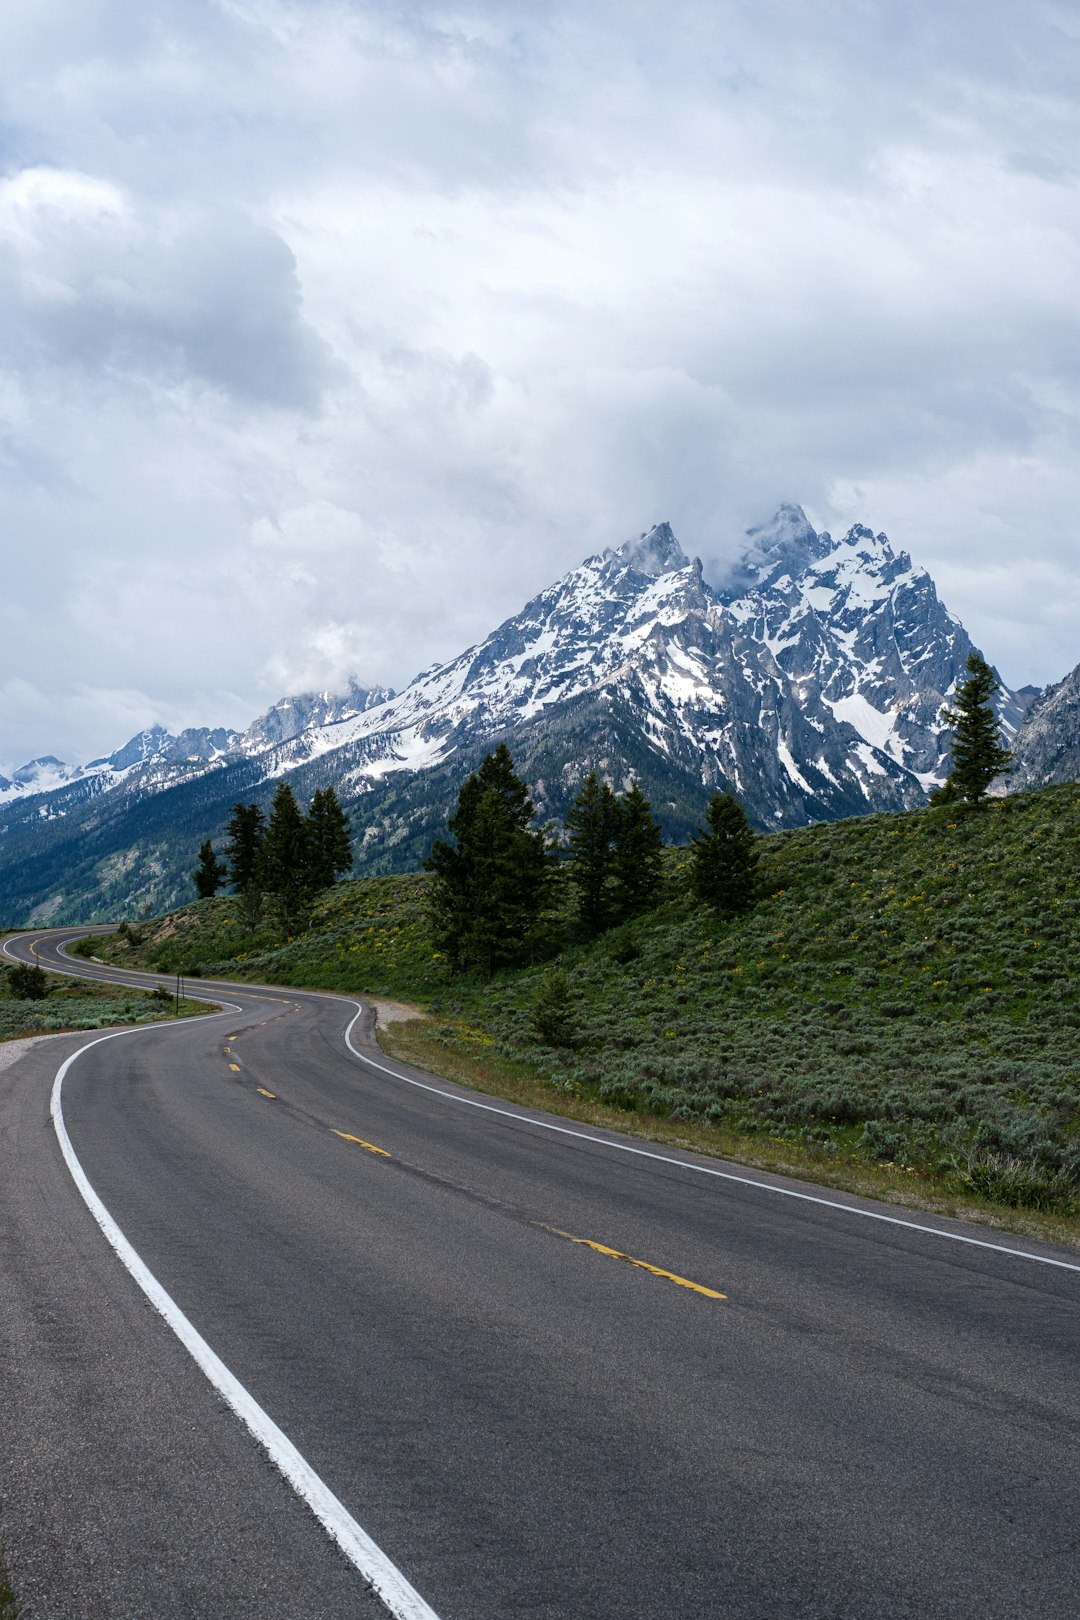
[(332, 330)]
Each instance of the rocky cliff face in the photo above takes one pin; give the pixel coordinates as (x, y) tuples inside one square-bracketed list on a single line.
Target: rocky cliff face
[(1047, 746)]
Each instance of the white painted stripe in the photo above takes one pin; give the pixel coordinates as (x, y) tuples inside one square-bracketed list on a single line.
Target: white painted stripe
[(701, 1169), (385, 1579)]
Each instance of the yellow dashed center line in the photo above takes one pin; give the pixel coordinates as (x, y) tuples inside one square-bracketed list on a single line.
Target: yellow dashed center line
[(359, 1140), (235, 1067), (643, 1265), (263, 1093)]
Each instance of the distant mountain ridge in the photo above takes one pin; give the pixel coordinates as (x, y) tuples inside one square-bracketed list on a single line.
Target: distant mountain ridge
[(811, 681), (160, 758)]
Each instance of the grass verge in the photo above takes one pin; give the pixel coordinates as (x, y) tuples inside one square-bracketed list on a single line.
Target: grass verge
[(9, 1608), (415, 1042), (71, 1005)]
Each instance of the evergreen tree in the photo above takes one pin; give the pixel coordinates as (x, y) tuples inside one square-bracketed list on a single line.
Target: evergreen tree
[(328, 835), (636, 858), (246, 831), (978, 753), (591, 822), (27, 982), (284, 868), (210, 874), (723, 871), (489, 885)]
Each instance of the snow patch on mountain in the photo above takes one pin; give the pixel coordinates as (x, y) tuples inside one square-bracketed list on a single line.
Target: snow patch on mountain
[(811, 679)]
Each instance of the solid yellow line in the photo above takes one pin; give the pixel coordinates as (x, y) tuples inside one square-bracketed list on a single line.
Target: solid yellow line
[(643, 1265), (271, 1094), (235, 1067), (359, 1140)]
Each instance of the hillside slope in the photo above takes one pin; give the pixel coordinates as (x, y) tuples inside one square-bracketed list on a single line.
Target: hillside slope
[(905, 993)]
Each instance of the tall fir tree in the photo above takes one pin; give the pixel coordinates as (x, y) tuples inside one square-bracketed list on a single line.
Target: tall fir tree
[(978, 753), (328, 836), (724, 859), (210, 874), (591, 824), (246, 831), (489, 886), (636, 862), (285, 860)]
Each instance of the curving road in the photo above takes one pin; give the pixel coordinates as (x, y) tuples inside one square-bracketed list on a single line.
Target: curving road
[(843, 1415)]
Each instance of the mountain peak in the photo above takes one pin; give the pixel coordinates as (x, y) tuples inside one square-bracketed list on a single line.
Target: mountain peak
[(787, 544), (655, 552)]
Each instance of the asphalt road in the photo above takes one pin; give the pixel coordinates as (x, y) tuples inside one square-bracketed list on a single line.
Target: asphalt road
[(871, 1420)]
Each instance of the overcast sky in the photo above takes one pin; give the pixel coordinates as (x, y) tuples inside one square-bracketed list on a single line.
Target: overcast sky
[(330, 332)]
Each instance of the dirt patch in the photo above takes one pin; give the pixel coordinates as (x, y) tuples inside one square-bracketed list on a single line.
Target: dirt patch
[(12, 1051), (393, 1012)]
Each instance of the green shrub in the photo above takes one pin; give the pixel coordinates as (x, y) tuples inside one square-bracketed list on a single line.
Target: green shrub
[(27, 983)]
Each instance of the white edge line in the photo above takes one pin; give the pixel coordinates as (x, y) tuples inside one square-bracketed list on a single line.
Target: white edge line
[(384, 1578), (703, 1169)]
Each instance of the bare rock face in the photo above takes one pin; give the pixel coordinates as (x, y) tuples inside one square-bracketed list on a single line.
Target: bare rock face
[(1047, 746)]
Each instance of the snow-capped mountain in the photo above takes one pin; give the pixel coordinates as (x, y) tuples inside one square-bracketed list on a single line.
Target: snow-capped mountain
[(291, 716), (810, 679), (155, 755), (155, 758)]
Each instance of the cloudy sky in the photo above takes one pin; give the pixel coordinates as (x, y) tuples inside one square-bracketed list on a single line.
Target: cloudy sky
[(331, 330)]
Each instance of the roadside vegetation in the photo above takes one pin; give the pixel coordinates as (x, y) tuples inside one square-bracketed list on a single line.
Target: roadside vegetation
[(9, 1608), (33, 1002), (897, 1012)]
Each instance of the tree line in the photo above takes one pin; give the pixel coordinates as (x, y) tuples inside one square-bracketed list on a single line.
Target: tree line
[(289, 856), (492, 895)]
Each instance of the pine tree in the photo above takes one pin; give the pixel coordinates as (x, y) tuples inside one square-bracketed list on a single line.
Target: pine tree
[(723, 872), (284, 868), (210, 874), (489, 887), (636, 859), (328, 835), (978, 753), (591, 823), (246, 831)]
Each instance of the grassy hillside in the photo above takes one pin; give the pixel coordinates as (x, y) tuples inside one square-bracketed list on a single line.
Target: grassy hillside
[(73, 1004), (904, 996)]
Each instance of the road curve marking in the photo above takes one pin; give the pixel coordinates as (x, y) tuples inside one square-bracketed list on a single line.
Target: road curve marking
[(359, 1140), (701, 1169), (643, 1265), (383, 1577)]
